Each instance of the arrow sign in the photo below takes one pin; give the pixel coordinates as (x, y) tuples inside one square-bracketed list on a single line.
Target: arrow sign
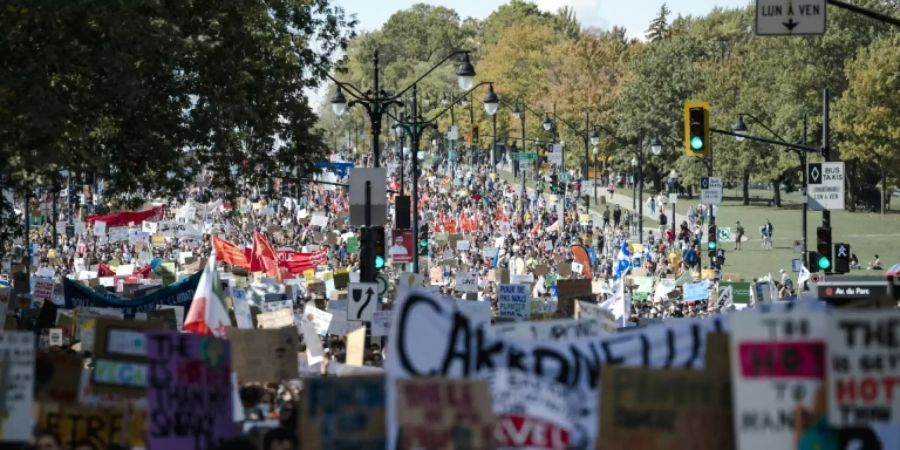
[(790, 17), (363, 302), (790, 24)]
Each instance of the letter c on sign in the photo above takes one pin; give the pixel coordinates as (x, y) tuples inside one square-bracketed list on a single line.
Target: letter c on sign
[(401, 330)]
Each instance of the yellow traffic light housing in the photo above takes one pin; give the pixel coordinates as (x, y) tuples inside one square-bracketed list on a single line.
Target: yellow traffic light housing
[(696, 129)]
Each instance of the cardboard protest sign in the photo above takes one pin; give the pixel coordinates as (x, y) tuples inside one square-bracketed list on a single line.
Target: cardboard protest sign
[(120, 364), (777, 367), (17, 359), (264, 355), (356, 346), (513, 302), (531, 401), (57, 377), (863, 368), (320, 319), (103, 427), (190, 380), (165, 317), (444, 414), (646, 409), (343, 413), (589, 310), (566, 289)]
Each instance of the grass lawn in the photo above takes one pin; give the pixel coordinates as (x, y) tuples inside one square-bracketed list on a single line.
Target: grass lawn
[(867, 233)]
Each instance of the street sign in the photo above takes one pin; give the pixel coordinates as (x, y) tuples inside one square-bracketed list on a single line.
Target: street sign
[(724, 234), (363, 301), (555, 157), (453, 133), (377, 178), (524, 156), (790, 17), (711, 190), (826, 186), (673, 198)]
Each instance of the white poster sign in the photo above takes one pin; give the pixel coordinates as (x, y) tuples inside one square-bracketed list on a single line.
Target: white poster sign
[(467, 282), (17, 349), (513, 302)]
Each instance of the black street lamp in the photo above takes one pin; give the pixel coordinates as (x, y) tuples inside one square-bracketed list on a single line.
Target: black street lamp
[(491, 103), (376, 101), (415, 127)]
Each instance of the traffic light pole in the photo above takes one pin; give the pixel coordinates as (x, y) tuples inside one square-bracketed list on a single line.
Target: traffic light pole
[(826, 150)]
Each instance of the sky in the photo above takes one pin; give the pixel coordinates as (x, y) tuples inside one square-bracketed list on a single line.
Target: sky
[(634, 15)]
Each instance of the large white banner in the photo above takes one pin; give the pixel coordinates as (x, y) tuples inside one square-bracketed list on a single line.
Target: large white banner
[(545, 394)]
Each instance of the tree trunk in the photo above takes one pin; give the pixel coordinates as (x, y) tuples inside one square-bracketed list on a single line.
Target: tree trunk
[(883, 189), (776, 192), (690, 192), (852, 193), (745, 187)]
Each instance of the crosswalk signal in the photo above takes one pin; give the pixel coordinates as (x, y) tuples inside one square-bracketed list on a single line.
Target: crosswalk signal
[(841, 258), (712, 243), (696, 129), (823, 248)]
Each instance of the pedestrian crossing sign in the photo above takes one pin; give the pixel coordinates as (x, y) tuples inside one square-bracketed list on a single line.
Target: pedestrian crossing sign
[(725, 234)]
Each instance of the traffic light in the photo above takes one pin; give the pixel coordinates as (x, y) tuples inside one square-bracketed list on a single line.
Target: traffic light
[(841, 258), (823, 248), (554, 183), (423, 240), (720, 257), (696, 129), (378, 247), (475, 134), (712, 243)]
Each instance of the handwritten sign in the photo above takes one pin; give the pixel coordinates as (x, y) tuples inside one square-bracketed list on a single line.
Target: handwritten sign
[(343, 413), (264, 355), (467, 282), (863, 368), (190, 382), (17, 349), (100, 427), (444, 414), (513, 302)]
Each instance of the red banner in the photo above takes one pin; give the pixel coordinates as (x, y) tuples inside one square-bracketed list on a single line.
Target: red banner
[(124, 218), (299, 262)]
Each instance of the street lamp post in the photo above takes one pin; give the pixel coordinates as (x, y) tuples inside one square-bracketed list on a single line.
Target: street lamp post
[(673, 189), (491, 103), (415, 128), (376, 101)]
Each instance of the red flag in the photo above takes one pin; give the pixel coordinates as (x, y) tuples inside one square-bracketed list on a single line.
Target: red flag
[(263, 250), (229, 253), (299, 262)]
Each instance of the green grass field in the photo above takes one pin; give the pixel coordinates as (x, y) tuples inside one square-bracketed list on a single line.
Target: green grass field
[(867, 233)]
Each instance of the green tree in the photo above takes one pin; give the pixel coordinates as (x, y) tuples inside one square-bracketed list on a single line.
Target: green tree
[(867, 112), (659, 26)]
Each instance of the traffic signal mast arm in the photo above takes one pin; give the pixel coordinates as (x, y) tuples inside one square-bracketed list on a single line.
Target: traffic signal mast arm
[(801, 147)]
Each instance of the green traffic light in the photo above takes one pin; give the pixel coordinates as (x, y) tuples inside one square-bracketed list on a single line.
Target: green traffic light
[(824, 263), (423, 243), (379, 262), (696, 143), (711, 245)]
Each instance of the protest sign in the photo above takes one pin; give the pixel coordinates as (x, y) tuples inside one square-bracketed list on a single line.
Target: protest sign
[(589, 310), (381, 323), (539, 389), (190, 382), (863, 368), (105, 427), (120, 364), (57, 377), (267, 356), (314, 351), (165, 317), (177, 294), (17, 359), (513, 302), (276, 319), (242, 314), (356, 346), (737, 292), (662, 409), (467, 282), (566, 289), (696, 291), (343, 413), (444, 414), (550, 330), (43, 288), (777, 367)]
